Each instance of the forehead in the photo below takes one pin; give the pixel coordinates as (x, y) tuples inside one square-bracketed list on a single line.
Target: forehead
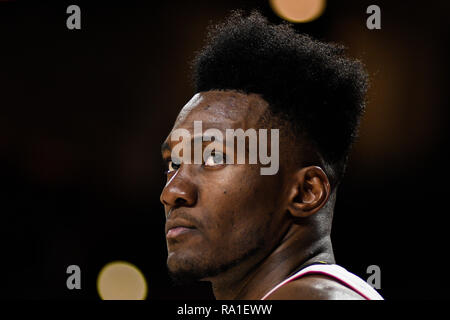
[(222, 110)]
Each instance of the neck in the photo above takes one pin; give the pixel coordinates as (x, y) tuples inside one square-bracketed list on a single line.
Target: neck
[(252, 279)]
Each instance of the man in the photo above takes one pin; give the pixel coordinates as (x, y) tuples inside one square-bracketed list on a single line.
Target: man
[(256, 236)]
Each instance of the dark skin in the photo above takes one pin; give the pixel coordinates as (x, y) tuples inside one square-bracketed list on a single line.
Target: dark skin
[(243, 231)]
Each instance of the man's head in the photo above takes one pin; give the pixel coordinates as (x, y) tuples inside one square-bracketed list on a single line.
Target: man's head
[(252, 74)]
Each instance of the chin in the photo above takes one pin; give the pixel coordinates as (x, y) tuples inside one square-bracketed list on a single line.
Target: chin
[(185, 269), (184, 274)]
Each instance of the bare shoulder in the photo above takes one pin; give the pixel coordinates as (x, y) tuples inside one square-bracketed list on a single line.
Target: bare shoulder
[(314, 287)]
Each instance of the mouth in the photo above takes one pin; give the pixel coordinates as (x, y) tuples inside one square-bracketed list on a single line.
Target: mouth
[(178, 231), (176, 228)]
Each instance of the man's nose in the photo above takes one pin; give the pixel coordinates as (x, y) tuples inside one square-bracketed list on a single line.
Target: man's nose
[(179, 192)]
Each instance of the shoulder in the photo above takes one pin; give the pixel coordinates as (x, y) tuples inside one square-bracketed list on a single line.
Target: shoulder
[(314, 287)]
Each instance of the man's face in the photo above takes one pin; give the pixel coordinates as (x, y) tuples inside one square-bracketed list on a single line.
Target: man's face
[(225, 214)]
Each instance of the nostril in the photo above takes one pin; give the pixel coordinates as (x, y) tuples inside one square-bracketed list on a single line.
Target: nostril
[(180, 201)]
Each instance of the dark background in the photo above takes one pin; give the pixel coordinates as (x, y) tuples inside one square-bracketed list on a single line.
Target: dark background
[(83, 114)]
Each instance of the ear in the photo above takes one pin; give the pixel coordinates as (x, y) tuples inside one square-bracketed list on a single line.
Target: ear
[(309, 192)]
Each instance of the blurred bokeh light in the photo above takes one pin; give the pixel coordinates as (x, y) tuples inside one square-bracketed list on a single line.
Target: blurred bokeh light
[(120, 280), (298, 10)]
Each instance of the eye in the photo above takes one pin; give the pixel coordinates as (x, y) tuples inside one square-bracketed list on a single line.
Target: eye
[(214, 159), (172, 166)]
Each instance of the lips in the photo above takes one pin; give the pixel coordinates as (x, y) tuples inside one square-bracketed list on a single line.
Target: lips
[(177, 231), (177, 227)]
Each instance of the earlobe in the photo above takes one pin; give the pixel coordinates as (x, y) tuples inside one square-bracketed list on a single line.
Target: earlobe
[(309, 192)]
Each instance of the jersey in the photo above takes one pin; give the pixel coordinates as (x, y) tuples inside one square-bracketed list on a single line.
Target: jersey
[(335, 272)]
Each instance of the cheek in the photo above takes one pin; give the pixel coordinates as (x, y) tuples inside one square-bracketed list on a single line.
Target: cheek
[(239, 208), (253, 197)]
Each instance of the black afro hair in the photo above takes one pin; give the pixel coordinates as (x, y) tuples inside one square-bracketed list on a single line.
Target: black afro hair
[(312, 84)]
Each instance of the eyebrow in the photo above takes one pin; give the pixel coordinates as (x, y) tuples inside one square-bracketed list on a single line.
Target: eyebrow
[(166, 147)]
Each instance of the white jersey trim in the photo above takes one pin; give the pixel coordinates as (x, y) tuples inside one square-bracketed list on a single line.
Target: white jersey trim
[(339, 273)]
